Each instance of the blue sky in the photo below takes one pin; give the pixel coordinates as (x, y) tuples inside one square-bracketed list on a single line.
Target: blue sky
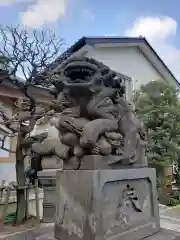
[(157, 20)]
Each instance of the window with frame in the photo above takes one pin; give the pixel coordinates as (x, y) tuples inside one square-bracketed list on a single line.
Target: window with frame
[(127, 81)]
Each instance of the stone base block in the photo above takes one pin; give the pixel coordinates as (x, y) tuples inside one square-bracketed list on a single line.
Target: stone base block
[(106, 204), (51, 163), (91, 162), (48, 180), (49, 210), (47, 177)]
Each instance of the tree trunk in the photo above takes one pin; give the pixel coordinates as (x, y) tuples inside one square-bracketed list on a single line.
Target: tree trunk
[(21, 198)]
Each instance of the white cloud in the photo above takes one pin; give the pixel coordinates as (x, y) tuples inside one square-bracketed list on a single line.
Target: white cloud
[(153, 28), (43, 12), (159, 31)]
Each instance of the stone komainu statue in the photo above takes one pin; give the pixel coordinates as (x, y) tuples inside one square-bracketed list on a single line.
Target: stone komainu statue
[(92, 117)]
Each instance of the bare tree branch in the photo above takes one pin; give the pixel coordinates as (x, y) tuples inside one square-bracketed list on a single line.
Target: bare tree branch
[(28, 52), (2, 141)]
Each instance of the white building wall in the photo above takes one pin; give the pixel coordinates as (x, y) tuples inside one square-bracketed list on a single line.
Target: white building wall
[(7, 170), (128, 61)]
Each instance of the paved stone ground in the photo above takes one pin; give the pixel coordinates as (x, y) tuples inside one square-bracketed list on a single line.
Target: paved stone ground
[(29, 224), (41, 235), (43, 232), (164, 235), (170, 223), (170, 217), (170, 220)]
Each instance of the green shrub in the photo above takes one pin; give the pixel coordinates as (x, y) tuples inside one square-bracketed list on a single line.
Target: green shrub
[(157, 104), (173, 202)]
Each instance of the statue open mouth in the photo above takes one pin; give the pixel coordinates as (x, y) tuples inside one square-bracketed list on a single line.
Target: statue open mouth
[(79, 72), (81, 75)]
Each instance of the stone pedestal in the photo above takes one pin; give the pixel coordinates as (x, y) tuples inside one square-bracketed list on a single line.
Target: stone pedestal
[(48, 180), (106, 204)]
